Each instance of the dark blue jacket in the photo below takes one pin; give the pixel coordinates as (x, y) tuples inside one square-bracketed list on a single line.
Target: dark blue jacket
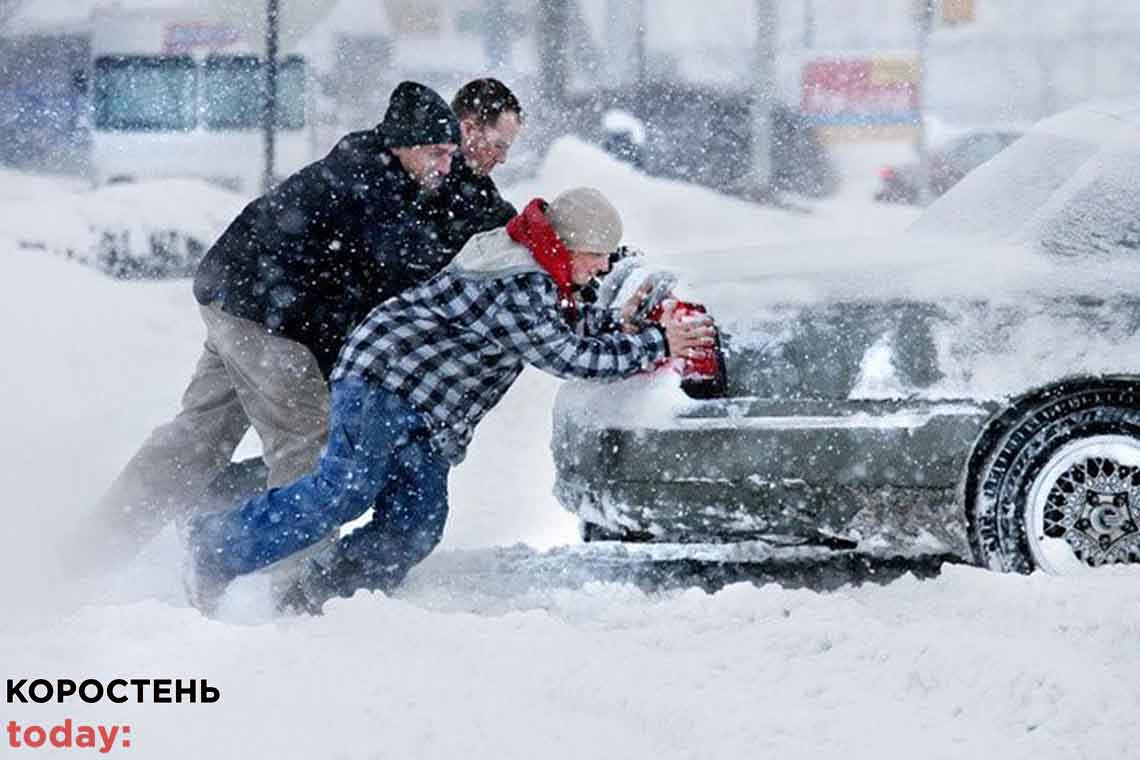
[(467, 204), (312, 257)]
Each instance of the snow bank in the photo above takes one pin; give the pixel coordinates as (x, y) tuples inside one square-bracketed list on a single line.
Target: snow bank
[(148, 229), (93, 365)]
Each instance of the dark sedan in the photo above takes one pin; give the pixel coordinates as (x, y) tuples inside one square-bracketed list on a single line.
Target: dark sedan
[(970, 387)]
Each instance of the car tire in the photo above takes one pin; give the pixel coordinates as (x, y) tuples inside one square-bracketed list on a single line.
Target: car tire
[(1058, 488)]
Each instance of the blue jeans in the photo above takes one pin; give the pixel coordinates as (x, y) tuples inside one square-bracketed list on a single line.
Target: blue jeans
[(378, 453)]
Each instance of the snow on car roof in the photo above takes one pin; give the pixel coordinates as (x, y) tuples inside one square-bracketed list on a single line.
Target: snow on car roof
[(1020, 225), (904, 267), (909, 267), (1101, 122)]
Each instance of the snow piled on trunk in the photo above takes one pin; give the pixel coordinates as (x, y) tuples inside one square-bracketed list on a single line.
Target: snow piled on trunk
[(479, 656)]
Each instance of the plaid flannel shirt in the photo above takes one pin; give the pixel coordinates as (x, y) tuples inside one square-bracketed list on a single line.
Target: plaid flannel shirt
[(454, 345)]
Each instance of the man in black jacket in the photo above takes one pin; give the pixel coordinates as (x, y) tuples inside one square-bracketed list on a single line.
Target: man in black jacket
[(279, 292), (412, 383)]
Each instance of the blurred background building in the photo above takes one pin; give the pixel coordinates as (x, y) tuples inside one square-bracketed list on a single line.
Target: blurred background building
[(672, 84)]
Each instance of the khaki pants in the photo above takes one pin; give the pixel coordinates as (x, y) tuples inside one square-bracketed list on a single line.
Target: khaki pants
[(245, 376)]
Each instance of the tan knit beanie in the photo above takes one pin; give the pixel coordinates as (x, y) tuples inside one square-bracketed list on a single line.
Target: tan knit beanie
[(585, 221)]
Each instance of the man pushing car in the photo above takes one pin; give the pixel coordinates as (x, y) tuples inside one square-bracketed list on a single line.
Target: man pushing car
[(413, 381)]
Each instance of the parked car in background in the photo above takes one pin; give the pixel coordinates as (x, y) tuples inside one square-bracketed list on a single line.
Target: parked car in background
[(698, 135), (949, 163), (969, 387)]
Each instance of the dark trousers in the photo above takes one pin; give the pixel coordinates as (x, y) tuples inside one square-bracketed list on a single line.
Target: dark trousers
[(378, 452)]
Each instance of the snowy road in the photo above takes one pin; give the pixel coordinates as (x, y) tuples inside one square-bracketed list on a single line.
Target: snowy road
[(512, 641), (968, 665)]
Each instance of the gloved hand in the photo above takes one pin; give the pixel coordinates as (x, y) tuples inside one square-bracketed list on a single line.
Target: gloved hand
[(690, 332)]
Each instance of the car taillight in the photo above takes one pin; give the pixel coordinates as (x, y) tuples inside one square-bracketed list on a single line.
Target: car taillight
[(702, 374), (703, 363)]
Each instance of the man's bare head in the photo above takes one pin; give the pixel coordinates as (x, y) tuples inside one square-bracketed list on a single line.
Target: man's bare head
[(490, 119)]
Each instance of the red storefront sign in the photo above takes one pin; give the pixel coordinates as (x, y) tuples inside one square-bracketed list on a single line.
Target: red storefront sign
[(879, 90)]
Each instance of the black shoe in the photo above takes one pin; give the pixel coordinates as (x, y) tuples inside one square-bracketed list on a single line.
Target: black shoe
[(294, 601), (204, 581)]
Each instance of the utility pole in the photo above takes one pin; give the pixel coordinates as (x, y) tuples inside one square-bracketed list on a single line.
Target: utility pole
[(624, 43), (496, 34), (924, 20), (554, 50), (1091, 29), (809, 24), (269, 115), (763, 93), (640, 46)]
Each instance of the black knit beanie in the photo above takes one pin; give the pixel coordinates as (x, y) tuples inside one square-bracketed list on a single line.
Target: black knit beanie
[(417, 115)]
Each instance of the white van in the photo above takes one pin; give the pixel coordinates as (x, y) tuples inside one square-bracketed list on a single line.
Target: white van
[(177, 93)]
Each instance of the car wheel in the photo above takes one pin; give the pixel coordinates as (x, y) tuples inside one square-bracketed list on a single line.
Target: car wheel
[(1059, 491)]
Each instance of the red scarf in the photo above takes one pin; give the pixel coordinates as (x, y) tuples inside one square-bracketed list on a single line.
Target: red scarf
[(530, 228)]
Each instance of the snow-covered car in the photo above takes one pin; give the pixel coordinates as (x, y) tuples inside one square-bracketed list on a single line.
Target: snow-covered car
[(971, 386)]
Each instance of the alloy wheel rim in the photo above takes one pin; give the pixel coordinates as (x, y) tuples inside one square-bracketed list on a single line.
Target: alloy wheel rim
[(1084, 506)]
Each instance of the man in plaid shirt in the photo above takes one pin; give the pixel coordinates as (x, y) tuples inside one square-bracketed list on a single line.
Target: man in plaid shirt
[(413, 381)]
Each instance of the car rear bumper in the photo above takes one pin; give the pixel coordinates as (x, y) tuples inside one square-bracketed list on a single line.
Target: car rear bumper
[(742, 469)]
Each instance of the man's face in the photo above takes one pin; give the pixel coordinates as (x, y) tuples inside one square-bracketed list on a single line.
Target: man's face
[(486, 145), (427, 164), (585, 266)]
